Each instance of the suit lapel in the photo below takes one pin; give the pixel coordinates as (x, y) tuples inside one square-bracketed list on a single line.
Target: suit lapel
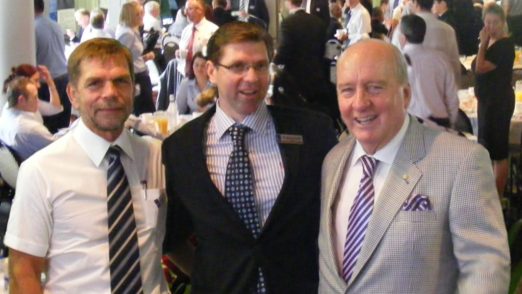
[(402, 178)]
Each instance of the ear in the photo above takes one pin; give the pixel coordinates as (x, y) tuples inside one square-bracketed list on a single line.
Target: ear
[(212, 72), (406, 95), (72, 93)]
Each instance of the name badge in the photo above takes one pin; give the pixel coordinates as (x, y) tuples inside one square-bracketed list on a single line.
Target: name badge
[(290, 139)]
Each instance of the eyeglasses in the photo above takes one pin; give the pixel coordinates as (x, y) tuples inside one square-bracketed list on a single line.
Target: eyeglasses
[(242, 68)]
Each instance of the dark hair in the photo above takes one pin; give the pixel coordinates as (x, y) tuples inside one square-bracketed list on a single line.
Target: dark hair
[(39, 6), (296, 2), (237, 32), (190, 73), (15, 88), (97, 48), (424, 4), (98, 21), (413, 27), (23, 70)]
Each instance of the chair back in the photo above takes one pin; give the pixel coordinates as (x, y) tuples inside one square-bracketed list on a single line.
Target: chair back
[(9, 165), (332, 49), (169, 45)]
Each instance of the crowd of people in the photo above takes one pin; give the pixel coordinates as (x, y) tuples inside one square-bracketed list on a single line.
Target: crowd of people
[(357, 186)]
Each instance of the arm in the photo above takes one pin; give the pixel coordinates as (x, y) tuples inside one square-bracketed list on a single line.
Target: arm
[(54, 98), (477, 227), (24, 272), (451, 96), (482, 65)]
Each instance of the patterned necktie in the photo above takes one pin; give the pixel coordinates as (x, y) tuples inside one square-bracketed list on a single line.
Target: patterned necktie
[(124, 253), (239, 188), (190, 51), (348, 16), (359, 218)]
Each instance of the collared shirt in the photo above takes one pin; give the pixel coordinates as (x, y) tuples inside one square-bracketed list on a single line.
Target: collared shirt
[(263, 151), (50, 45), (91, 33), (24, 131), (60, 211), (131, 39), (187, 94), (360, 25), (434, 92), (204, 29), (350, 185)]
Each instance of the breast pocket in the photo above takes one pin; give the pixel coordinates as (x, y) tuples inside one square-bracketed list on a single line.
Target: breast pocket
[(416, 216), (151, 208)]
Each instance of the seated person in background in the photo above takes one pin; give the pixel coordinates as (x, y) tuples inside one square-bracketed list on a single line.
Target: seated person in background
[(434, 92), (20, 127), (97, 27), (36, 74), (192, 85)]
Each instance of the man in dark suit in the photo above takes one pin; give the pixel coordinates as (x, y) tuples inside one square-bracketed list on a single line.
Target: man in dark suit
[(263, 240), (318, 8), (256, 8), (301, 56)]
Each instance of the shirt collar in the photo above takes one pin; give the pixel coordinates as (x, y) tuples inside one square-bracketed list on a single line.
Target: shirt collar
[(388, 152), (256, 121), (97, 146)]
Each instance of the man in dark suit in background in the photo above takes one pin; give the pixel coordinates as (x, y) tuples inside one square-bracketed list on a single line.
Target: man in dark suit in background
[(256, 8), (303, 80), (258, 234), (318, 8)]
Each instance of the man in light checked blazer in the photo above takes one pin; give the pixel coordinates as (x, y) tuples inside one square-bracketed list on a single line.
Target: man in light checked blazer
[(429, 220)]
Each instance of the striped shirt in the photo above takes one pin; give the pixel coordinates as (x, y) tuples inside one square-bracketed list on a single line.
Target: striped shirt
[(263, 152)]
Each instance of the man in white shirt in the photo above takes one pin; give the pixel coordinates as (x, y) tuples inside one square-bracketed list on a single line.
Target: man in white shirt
[(358, 23), (404, 208), (21, 126), (72, 196), (195, 35), (434, 93), (151, 19)]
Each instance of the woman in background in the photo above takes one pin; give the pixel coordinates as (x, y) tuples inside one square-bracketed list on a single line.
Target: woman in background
[(191, 86), (493, 68), (128, 33)]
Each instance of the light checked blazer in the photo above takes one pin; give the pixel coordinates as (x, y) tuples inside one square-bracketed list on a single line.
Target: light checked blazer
[(460, 246)]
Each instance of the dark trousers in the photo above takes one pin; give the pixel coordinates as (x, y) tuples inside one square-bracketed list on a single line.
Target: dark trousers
[(143, 102)]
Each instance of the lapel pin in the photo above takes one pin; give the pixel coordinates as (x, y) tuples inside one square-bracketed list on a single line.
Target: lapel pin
[(406, 179)]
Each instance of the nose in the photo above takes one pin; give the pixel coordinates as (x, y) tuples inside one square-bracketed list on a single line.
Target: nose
[(360, 99), (251, 74)]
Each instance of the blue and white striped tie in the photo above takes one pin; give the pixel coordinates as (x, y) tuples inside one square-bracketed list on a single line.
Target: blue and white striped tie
[(359, 218), (124, 253)]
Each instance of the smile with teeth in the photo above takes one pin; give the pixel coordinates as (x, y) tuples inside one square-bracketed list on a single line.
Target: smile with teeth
[(248, 92), (366, 119)]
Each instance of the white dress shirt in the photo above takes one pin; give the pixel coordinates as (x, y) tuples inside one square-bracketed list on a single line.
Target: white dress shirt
[(350, 184), (263, 151), (91, 33), (60, 211), (24, 131), (204, 29), (434, 92), (360, 25)]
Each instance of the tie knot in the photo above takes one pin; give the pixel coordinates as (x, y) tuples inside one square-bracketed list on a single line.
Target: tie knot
[(114, 153), (369, 164), (237, 132)]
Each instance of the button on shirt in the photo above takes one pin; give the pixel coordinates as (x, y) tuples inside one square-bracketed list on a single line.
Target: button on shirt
[(350, 185), (264, 154), (60, 212), (24, 131)]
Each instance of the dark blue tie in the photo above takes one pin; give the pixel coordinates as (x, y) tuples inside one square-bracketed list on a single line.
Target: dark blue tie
[(239, 188), (124, 253)]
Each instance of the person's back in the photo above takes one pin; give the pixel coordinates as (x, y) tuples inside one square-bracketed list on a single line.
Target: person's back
[(50, 45)]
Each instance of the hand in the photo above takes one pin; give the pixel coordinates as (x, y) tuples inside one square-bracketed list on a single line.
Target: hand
[(70, 33), (484, 36), (149, 56), (45, 74)]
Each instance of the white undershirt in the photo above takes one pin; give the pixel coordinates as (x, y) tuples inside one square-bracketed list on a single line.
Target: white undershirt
[(350, 184)]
